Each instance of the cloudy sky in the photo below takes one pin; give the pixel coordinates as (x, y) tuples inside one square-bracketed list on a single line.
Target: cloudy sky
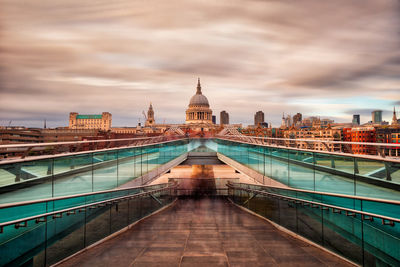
[(327, 58)]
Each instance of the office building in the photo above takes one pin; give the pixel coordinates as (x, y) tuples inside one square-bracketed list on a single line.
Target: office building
[(326, 122), (297, 119), (363, 135), (224, 117), (258, 118), (376, 116), (17, 135), (356, 119)]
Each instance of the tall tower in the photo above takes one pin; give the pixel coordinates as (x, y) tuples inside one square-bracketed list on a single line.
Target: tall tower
[(356, 119), (224, 117), (73, 124), (283, 124), (376, 116), (394, 119), (258, 118), (150, 116)]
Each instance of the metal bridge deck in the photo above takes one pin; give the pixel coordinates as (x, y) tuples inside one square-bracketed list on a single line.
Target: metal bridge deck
[(204, 232)]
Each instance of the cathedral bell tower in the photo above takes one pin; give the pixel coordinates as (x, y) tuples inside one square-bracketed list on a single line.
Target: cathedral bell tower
[(394, 118), (150, 116)]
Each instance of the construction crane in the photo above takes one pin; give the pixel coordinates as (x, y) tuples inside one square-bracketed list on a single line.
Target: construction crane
[(144, 114)]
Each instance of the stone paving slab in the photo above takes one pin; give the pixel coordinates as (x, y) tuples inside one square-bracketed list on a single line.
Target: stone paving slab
[(204, 232)]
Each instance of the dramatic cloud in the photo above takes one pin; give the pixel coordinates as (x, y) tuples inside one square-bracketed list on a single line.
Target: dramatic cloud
[(326, 58)]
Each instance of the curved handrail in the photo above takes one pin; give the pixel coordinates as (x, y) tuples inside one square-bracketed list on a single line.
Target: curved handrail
[(80, 208), (28, 202), (88, 141), (386, 220), (388, 201), (311, 140), (337, 153), (22, 159)]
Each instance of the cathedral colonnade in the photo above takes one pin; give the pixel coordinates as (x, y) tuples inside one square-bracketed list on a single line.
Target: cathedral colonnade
[(199, 115)]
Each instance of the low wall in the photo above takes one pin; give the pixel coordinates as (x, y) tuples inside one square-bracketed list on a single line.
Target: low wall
[(154, 174), (256, 176)]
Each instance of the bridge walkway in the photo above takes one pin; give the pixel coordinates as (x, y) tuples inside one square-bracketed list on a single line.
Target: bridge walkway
[(204, 232)]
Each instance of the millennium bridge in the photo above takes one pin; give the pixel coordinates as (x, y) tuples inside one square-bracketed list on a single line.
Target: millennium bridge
[(178, 201)]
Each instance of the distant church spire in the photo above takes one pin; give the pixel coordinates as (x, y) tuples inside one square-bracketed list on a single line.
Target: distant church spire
[(150, 116), (44, 125), (198, 87), (394, 119)]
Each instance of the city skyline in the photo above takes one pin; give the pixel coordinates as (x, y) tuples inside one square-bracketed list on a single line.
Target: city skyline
[(272, 56)]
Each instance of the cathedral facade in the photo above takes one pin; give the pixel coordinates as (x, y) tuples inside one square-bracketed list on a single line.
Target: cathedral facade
[(199, 111)]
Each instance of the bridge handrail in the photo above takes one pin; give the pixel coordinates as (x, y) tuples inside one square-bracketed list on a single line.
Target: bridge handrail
[(81, 207), (388, 201), (309, 140), (48, 156), (338, 153), (364, 215), (88, 141), (29, 202)]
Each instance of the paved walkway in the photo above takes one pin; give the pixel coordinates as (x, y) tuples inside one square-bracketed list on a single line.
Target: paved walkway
[(204, 232)]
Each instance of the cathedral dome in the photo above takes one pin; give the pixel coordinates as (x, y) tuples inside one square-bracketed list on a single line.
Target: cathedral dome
[(199, 99), (199, 111)]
